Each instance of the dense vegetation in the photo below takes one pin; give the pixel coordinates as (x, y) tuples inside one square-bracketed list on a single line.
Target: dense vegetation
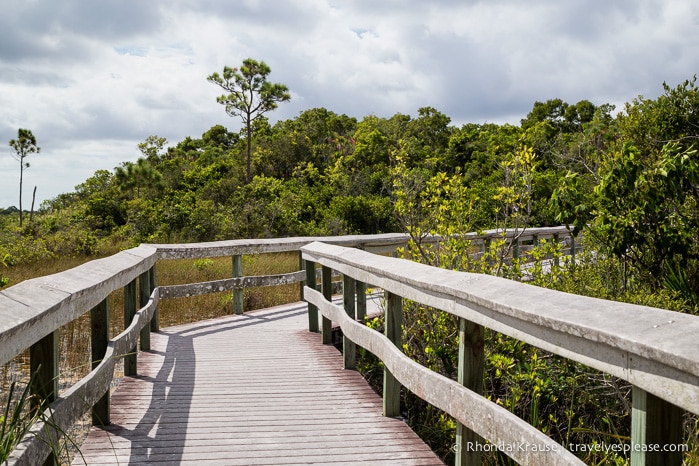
[(629, 181)]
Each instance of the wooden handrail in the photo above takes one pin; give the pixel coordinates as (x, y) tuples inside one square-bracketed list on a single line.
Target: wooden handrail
[(654, 349), (32, 311)]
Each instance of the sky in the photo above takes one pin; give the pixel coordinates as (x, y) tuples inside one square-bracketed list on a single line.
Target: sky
[(93, 78)]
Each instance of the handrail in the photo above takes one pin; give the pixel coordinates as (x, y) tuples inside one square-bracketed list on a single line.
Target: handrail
[(32, 311), (654, 349)]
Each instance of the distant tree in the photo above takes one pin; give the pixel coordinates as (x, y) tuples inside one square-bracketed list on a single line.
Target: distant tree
[(137, 175), (23, 146), (152, 148), (249, 96)]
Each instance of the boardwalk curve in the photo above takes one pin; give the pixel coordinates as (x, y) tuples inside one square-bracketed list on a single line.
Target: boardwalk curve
[(247, 390)]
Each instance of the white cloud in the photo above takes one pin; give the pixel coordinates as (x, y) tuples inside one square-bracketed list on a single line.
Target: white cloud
[(91, 81)]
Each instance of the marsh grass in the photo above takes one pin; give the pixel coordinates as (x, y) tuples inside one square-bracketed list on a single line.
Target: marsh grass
[(75, 337)]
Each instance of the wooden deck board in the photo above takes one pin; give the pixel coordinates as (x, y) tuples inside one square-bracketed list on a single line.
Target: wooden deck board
[(248, 390)]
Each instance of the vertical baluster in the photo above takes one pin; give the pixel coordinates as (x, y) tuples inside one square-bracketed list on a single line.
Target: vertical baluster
[(99, 321), (144, 290), (360, 288), (155, 321), (393, 329), (349, 349), (326, 328), (470, 375), (312, 309), (301, 284), (654, 422), (131, 359), (238, 299), (43, 361)]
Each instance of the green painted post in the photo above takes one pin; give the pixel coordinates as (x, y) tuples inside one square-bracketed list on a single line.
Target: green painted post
[(393, 328), (361, 300), (143, 297), (312, 309), (43, 360), (99, 321), (131, 359), (326, 328), (655, 423), (349, 349), (238, 297), (301, 284), (155, 321), (470, 375)]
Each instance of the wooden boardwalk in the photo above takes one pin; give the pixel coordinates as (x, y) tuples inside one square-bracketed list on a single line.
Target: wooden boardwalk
[(249, 390)]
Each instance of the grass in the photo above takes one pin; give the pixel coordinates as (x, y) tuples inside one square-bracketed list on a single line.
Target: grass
[(74, 338)]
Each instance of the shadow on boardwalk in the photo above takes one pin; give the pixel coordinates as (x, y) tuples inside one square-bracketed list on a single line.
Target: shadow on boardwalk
[(251, 389)]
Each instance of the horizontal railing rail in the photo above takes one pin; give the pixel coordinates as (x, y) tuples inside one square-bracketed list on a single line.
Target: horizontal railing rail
[(656, 350), (32, 312)]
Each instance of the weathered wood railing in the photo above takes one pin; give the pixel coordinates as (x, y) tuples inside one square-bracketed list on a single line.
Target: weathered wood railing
[(32, 312), (656, 350)]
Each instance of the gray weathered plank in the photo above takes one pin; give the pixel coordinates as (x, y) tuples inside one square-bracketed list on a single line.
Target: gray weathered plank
[(251, 389)]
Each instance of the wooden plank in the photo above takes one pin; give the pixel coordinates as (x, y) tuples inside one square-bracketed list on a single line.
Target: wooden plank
[(214, 392), (228, 284)]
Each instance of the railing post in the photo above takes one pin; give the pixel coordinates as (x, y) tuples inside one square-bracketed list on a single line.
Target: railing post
[(143, 297), (360, 288), (555, 241), (43, 361), (326, 328), (312, 309), (572, 247), (470, 375), (131, 359), (238, 293), (655, 423), (155, 321), (301, 267), (393, 328), (99, 321), (349, 349)]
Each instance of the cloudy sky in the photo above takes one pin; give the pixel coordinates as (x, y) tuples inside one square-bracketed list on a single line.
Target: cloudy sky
[(93, 78)]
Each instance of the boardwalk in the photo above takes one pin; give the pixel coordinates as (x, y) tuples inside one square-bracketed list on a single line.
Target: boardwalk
[(248, 390)]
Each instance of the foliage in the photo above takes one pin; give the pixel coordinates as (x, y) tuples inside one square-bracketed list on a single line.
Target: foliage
[(249, 96)]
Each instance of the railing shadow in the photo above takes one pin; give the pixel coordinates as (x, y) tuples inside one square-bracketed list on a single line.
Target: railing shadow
[(161, 432)]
